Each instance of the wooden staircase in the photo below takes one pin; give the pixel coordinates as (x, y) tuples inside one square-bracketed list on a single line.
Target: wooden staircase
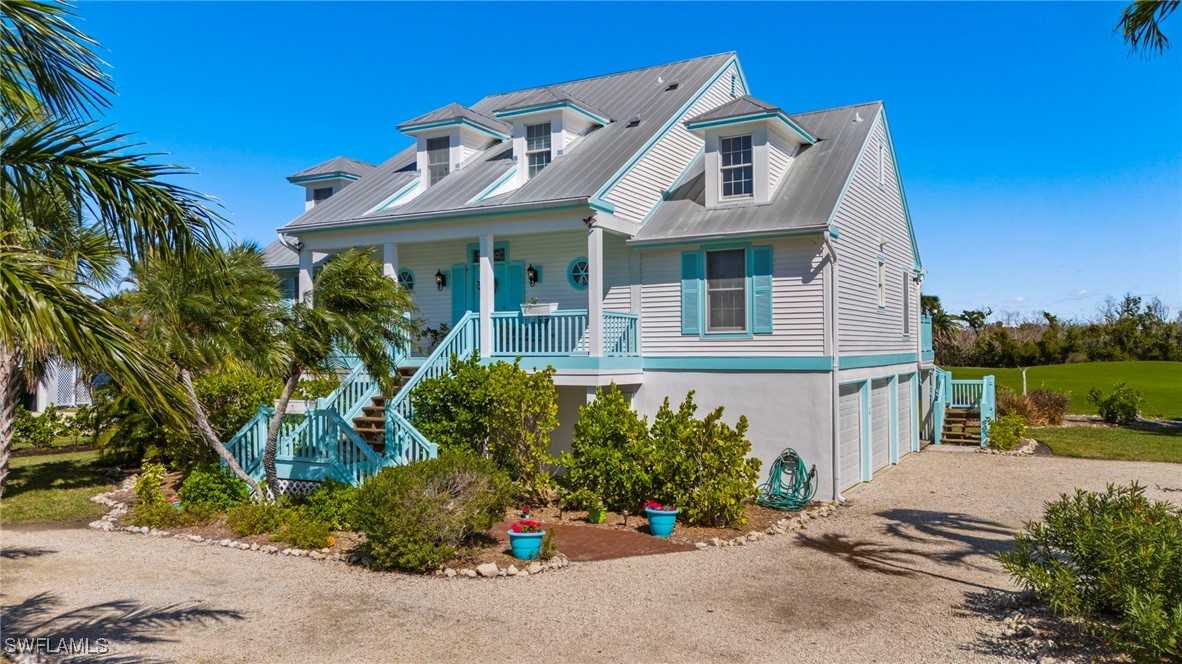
[(962, 426), (371, 425)]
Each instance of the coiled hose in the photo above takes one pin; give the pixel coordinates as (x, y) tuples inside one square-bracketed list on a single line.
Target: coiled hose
[(789, 487)]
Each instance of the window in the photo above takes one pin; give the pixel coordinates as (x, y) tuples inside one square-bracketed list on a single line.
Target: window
[(321, 194), (726, 291), (881, 284), (438, 157), (737, 174), (906, 305), (578, 273), (537, 147), (407, 279), (881, 164)]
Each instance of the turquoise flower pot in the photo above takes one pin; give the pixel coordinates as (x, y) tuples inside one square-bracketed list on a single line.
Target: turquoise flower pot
[(526, 546), (661, 522)]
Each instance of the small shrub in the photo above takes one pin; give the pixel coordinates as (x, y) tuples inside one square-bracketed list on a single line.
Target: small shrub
[(417, 516), (1010, 402), (149, 487), (231, 396), (1112, 560), (255, 518), (547, 550), (213, 487), (1006, 432), (1049, 406), (1121, 407), (611, 455), (302, 531), (332, 503), (35, 430), (316, 388)]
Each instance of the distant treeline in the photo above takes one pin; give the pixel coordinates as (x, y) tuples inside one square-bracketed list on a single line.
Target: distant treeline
[(1127, 329)]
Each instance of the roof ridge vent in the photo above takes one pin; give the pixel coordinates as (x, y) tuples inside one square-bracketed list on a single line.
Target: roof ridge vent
[(633, 121), (673, 85)]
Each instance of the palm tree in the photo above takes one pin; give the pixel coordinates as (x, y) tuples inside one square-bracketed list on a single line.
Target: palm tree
[(945, 326), (1141, 25), (51, 84), (355, 309), (200, 311)]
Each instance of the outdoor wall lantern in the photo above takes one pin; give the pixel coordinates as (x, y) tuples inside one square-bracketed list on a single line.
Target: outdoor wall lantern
[(533, 274), (440, 280)]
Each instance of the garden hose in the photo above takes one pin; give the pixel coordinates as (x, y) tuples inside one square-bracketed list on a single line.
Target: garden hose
[(789, 487)]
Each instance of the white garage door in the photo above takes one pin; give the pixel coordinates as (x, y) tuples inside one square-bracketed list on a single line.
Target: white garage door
[(850, 424), (880, 423), (906, 415)]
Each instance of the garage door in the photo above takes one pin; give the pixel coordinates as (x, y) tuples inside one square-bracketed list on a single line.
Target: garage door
[(850, 424), (880, 423), (906, 415)]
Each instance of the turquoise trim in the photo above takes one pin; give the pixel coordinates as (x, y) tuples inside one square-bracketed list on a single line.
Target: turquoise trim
[(867, 361), (834, 232), (570, 276), (497, 183), (822, 363), (759, 236), (569, 362), (406, 189), (747, 291), (754, 117), (402, 281), (549, 107), (497, 244), (676, 183), (394, 221), (411, 130), (336, 175)]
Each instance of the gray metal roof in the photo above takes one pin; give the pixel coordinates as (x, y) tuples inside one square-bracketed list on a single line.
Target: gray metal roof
[(344, 165), (576, 176), (552, 95), (738, 107), (455, 111), (804, 201), (277, 255)]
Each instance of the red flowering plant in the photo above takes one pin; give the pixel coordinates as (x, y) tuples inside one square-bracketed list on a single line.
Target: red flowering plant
[(525, 512), (657, 507), (526, 526)]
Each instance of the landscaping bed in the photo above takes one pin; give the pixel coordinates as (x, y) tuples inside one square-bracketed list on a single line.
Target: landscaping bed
[(758, 519)]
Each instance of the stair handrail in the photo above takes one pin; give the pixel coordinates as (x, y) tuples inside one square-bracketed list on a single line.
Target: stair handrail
[(246, 446), (359, 462), (988, 406)]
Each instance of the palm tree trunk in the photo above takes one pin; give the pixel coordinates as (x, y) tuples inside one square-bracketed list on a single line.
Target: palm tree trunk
[(211, 438), (7, 409), (289, 386)]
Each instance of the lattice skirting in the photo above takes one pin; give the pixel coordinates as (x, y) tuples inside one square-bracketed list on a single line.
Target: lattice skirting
[(297, 487)]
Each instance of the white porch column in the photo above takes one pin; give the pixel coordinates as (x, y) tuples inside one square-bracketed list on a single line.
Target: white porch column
[(595, 291), (390, 260), (487, 295), (304, 282)]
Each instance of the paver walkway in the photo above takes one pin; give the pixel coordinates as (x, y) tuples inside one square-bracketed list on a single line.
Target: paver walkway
[(581, 544)]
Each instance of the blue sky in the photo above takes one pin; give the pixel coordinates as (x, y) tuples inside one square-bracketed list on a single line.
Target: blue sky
[(1042, 165)]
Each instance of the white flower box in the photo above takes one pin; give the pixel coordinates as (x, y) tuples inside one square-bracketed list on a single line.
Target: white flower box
[(538, 309)]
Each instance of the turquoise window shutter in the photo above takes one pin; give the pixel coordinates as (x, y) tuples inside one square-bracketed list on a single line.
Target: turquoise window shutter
[(459, 291), (691, 292), (516, 284), (761, 289)]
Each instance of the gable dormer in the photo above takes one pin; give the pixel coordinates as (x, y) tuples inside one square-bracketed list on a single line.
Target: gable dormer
[(749, 146), (448, 137), (322, 181), (547, 123)]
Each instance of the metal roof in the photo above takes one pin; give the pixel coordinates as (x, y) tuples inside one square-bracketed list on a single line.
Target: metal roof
[(804, 201), (278, 255), (552, 95), (738, 107), (455, 111), (575, 176), (343, 165)]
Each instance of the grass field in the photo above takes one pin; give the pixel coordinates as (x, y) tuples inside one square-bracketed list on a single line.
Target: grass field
[(1113, 443), (53, 488), (1160, 383)]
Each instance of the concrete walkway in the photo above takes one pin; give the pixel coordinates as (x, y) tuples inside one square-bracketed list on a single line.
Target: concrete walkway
[(900, 575)]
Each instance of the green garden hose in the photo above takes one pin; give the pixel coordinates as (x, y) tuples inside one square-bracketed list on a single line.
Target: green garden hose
[(789, 487)]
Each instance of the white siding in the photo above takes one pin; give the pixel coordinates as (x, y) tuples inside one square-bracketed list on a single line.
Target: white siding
[(797, 306), (471, 144), (616, 273), (867, 214), (780, 154), (646, 182)]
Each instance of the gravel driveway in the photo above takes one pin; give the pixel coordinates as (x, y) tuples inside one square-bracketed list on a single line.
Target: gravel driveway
[(896, 576)]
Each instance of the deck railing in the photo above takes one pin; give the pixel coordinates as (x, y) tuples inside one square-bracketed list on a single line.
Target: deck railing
[(561, 333), (621, 334), (979, 394)]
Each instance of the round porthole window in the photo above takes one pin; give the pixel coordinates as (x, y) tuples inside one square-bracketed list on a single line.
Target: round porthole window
[(407, 279), (578, 273)]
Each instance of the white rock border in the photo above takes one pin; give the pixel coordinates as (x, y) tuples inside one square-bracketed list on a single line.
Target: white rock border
[(786, 525), (1025, 449)]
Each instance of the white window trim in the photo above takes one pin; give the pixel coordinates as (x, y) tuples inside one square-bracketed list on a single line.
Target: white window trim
[(906, 305), (548, 150), (881, 163), (882, 287), (721, 169), (446, 162), (746, 324)]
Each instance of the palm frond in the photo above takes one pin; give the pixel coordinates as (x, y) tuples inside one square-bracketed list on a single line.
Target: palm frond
[(1141, 26)]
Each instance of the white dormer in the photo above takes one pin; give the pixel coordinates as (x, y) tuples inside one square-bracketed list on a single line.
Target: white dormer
[(749, 146), (547, 124), (446, 139), (322, 181)]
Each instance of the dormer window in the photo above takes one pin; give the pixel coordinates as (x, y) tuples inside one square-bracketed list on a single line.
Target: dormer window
[(537, 147), (738, 172), (321, 194), (438, 157)]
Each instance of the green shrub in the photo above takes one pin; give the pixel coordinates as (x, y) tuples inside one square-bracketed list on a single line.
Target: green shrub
[(35, 430), (315, 388), (332, 503), (611, 455), (255, 518), (302, 531), (702, 466), (1112, 560), (231, 396), (419, 515), (1121, 407), (1006, 432), (213, 487), (149, 486)]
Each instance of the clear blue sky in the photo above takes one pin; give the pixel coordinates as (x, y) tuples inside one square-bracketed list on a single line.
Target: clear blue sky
[(1042, 165)]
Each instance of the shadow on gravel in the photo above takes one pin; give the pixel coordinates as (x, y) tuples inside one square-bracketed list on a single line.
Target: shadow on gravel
[(22, 552), (119, 622)]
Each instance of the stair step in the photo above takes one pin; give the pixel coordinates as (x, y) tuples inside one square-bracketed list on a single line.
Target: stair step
[(377, 422)]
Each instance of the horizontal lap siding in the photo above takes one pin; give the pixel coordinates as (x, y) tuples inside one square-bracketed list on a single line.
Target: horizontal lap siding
[(617, 267), (797, 306), (780, 154), (647, 181), (869, 212)]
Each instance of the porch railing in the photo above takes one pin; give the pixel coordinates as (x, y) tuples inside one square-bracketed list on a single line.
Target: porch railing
[(561, 333), (979, 394), (621, 334)]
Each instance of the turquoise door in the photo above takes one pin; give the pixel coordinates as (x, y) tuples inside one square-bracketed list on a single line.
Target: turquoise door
[(509, 282)]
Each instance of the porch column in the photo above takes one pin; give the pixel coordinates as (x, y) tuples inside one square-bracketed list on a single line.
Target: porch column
[(390, 260), (304, 282), (595, 291), (487, 295)]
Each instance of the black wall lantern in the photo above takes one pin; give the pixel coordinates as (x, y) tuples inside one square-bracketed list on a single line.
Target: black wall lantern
[(533, 274), (440, 280)]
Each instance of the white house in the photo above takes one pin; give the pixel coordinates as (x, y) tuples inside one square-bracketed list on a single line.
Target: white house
[(675, 233)]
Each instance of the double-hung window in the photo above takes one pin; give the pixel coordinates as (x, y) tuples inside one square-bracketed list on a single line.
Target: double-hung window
[(537, 147), (906, 304), (738, 176), (882, 299), (726, 291), (321, 194), (438, 157)]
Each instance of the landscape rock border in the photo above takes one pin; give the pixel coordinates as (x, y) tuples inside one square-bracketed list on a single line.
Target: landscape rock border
[(1027, 448), (786, 525)]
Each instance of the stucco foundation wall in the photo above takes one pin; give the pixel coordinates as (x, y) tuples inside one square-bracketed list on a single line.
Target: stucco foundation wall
[(783, 410), (569, 400)]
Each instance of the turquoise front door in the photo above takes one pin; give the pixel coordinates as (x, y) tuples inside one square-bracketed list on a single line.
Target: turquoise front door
[(509, 282)]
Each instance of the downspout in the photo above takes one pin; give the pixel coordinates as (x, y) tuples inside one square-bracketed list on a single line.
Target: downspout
[(919, 349), (835, 354)]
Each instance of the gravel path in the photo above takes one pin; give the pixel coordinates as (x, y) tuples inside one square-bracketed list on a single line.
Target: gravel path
[(896, 576)]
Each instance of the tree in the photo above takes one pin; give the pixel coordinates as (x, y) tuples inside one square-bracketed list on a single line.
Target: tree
[(354, 309), (1141, 26), (945, 326), (51, 83)]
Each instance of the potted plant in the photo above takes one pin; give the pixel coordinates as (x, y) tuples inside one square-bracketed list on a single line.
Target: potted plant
[(661, 518), (525, 539), (535, 308)]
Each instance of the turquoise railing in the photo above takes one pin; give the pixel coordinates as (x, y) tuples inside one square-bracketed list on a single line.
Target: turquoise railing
[(561, 333), (621, 334), (966, 393), (980, 394), (925, 337), (247, 445), (942, 394), (988, 407)]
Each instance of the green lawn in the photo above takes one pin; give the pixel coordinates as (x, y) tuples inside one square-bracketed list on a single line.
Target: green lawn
[(1164, 444), (59, 441), (53, 488), (1160, 383)]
